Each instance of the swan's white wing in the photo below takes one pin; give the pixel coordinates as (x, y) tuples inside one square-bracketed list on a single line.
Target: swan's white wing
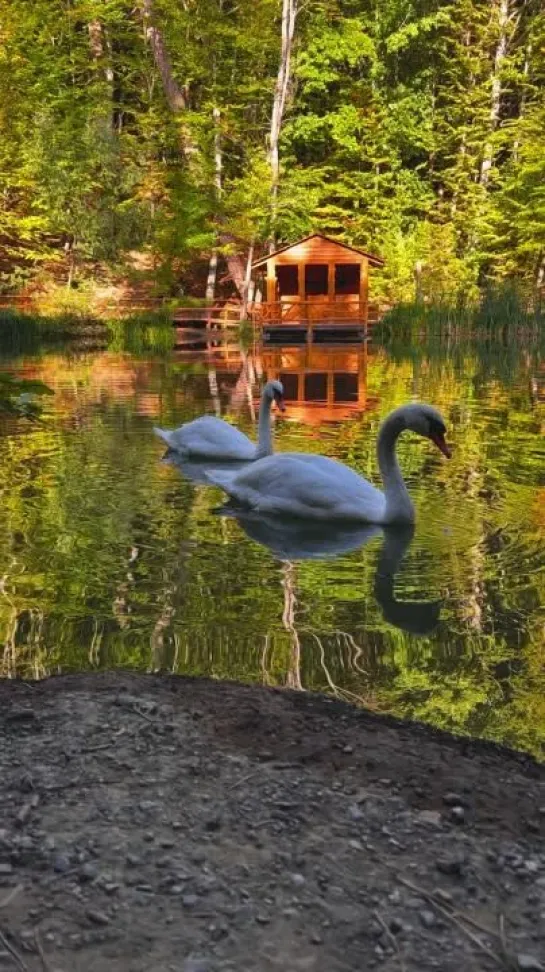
[(300, 485), (210, 438)]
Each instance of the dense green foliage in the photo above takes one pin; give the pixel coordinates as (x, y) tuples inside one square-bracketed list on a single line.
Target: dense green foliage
[(413, 127)]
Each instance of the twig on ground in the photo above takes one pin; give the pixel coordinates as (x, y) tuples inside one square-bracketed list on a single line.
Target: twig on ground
[(391, 938), (45, 964), (458, 920), (13, 894), (13, 952), (243, 779)]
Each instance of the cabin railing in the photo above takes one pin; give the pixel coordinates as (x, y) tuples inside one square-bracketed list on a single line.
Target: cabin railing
[(302, 311)]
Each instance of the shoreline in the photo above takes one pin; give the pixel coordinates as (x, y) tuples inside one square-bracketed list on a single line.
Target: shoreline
[(176, 823)]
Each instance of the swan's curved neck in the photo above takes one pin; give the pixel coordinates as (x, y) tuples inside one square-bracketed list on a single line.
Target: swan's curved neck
[(399, 508), (264, 437)]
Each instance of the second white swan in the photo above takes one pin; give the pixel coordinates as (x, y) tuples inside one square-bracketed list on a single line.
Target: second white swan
[(304, 485), (211, 438)]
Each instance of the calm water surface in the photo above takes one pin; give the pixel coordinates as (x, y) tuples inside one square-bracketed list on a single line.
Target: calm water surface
[(109, 557)]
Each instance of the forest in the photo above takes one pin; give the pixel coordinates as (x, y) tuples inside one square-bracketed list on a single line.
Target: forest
[(170, 140)]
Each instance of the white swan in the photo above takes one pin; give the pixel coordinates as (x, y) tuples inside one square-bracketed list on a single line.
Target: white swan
[(212, 438), (303, 485)]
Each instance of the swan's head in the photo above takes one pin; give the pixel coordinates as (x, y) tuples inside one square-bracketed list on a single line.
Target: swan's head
[(426, 420), (274, 392)]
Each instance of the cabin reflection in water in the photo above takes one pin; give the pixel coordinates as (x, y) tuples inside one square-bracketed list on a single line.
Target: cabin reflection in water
[(321, 384)]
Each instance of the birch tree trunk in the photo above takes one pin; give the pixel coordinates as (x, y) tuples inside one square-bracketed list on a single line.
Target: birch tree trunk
[(218, 185), (495, 103), (289, 14), (523, 98)]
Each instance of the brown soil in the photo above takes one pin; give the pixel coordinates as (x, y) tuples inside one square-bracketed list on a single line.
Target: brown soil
[(165, 824)]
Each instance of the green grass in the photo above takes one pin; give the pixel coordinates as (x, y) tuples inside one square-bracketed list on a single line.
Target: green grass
[(148, 332), (22, 333)]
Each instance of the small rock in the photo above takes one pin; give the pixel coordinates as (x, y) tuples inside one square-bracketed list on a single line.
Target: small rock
[(457, 815), (189, 900), (316, 939), (454, 800), (24, 814), (5, 869), (147, 806), (194, 964), (453, 866), (213, 824), (355, 813), (430, 817), (528, 963), (132, 860), (395, 926), (61, 864), (427, 918), (262, 919), (348, 750), (89, 871), (355, 845), (298, 880), (97, 917), (362, 795)]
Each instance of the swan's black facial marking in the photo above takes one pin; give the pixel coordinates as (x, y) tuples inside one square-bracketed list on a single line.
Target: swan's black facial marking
[(279, 399), (437, 431)]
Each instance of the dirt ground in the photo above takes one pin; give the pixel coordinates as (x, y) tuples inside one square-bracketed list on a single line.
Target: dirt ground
[(165, 824)]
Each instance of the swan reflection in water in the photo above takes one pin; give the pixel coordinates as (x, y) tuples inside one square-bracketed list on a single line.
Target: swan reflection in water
[(292, 539)]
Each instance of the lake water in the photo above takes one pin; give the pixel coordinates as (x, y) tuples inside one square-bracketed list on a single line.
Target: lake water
[(109, 557)]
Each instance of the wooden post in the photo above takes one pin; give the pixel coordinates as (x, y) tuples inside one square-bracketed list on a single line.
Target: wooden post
[(362, 375), (330, 387), (331, 282), (271, 287), (301, 285), (364, 290)]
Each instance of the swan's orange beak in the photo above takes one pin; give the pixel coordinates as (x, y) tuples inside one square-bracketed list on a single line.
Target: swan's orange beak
[(439, 441)]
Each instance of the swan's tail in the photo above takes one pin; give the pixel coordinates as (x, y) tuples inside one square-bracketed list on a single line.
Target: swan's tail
[(165, 435)]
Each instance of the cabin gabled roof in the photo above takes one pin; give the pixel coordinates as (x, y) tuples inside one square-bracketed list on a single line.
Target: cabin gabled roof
[(374, 260)]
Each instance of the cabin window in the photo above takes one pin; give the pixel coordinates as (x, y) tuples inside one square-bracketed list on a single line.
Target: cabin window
[(347, 278), (291, 386), (316, 279), (288, 281), (316, 388), (345, 388)]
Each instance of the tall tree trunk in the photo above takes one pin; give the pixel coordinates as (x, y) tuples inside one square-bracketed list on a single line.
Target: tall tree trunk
[(289, 14), (247, 283), (523, 97), (503, 14), (218, 186), (176, 94), (98, 42)]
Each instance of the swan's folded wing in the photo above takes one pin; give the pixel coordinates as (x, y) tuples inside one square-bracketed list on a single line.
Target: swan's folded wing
[(210, 436), (287, 483)]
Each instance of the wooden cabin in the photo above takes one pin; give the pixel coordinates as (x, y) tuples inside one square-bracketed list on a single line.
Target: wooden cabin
[(316, 283), (320, 384)]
